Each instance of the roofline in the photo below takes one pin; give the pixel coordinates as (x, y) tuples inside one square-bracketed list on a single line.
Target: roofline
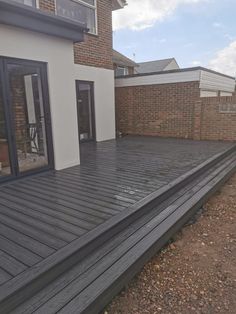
[(170, 59), (177, 71), (131, 62)]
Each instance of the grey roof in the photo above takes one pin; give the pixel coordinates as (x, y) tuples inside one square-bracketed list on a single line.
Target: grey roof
[(122, 60), (154, 66)]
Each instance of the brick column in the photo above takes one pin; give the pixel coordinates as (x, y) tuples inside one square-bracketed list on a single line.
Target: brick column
[(197, 120)]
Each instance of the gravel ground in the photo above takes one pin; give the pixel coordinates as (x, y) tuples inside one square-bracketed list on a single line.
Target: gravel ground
[(196, 273)]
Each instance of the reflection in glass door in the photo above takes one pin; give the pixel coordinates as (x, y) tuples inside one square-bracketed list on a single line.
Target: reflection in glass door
[(86, 115), (28, 116), (25, 128), (5, 168)]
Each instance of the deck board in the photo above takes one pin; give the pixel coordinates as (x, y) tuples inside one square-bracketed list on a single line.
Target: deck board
[(10, 264), (43, 213)]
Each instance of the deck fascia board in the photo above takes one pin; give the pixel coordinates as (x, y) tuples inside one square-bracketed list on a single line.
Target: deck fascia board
[(129, 265)]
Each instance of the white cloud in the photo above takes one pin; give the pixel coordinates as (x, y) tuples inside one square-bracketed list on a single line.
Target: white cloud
[(141, 14), (225, 60)]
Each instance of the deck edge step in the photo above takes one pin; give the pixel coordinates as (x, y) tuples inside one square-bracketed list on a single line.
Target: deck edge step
[(180, 218)]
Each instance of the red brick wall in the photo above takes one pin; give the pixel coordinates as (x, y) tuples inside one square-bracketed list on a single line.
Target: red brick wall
[(211, 124), (174, 110), (97, 49), (164, 110), (19, 108), (47, 5)]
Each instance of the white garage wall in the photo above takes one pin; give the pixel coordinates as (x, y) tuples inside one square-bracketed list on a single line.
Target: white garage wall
[(58, 53), (103, 97)]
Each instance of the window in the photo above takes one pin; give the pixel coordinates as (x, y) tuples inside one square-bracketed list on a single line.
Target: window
[(83, 11), (120, 71), (31, 3), (227, 108)]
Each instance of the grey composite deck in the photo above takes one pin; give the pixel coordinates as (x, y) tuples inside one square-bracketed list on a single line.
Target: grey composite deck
[(42, 214)]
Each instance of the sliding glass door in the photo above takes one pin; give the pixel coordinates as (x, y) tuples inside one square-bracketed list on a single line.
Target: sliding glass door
[(28, 117)]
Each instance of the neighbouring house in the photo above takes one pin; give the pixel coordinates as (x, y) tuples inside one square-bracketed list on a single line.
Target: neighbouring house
[(193, 103), (157, 66), (122, 64), (56, 81)]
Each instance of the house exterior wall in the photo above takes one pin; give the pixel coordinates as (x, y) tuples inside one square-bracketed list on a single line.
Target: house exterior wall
[(58, 54), (47, 5), (96, 50), (104, 98), (212, 121), (163, 110)]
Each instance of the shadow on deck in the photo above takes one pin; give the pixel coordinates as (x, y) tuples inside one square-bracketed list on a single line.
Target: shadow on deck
[(61, 233)]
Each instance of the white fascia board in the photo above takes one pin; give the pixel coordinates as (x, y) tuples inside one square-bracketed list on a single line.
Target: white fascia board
[(216, 82), (155, 79)]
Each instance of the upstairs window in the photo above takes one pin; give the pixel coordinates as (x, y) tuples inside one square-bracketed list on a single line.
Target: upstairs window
[(83, 11), (121, 71), (31, 3)]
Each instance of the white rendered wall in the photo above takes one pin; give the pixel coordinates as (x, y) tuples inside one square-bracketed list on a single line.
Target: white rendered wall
[(104, 98), (58, 53)]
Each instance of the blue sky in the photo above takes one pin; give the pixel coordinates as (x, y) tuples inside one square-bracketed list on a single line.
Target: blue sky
[(195, 32)]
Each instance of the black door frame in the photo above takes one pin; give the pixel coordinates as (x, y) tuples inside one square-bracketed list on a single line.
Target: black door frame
[(91, 83), (9, 119)]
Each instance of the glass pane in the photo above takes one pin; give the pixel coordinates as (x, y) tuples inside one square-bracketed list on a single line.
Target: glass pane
[(31, 3), (5, 168), (121, 71), (29, 119), (91, 2), (85, 112), (78, 12)]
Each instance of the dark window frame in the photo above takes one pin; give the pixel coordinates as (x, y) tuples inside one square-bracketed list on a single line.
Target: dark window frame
[(34, 3), (7, 104), (91, 83), (81, 2)]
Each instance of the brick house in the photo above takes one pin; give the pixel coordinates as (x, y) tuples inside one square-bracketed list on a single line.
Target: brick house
[(157, 66), (123, 65), (56, 77)]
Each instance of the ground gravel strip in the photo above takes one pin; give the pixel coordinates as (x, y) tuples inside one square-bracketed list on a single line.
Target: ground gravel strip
[(196, 273)]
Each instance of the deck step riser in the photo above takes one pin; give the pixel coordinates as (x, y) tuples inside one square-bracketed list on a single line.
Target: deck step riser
[(152, 248)]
